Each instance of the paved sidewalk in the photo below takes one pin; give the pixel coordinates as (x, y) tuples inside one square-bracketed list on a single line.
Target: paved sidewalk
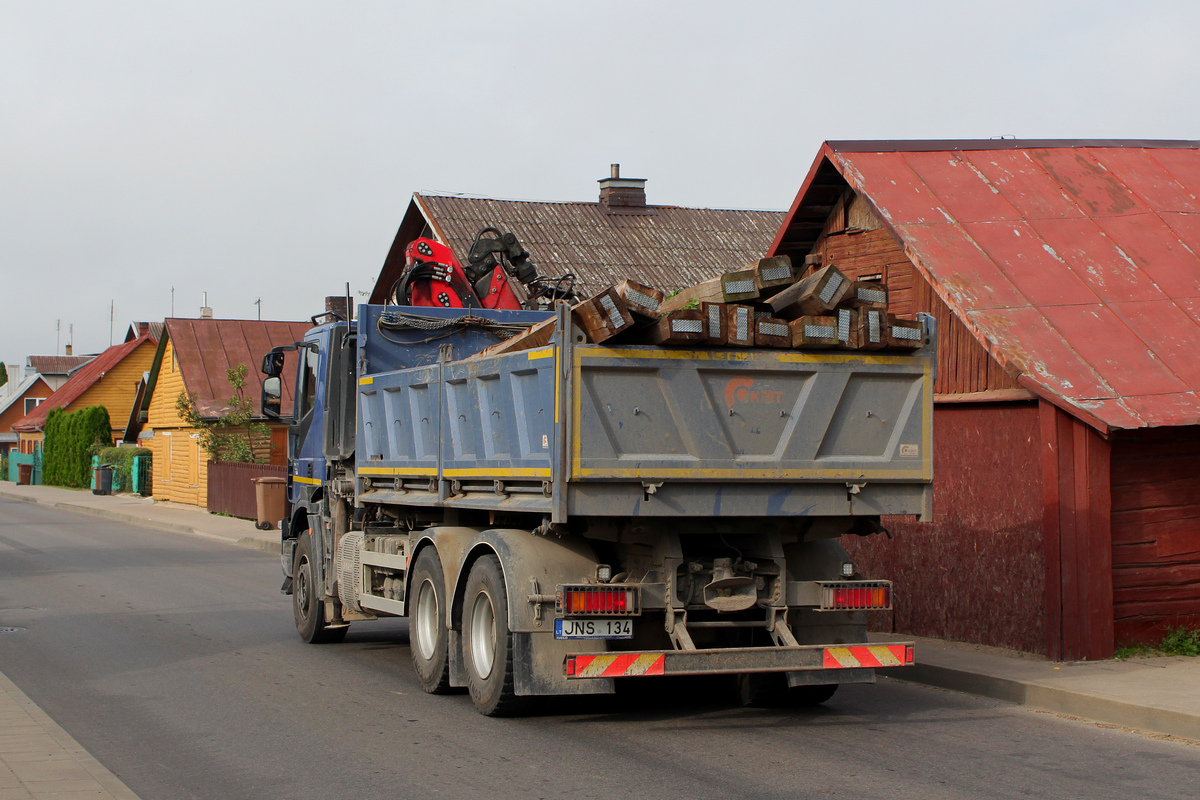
[(1157, 694), (1161, 695), (39, 760), (164, 516)]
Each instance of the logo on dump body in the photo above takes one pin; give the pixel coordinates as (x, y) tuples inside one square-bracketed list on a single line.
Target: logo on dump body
[(741, 390)]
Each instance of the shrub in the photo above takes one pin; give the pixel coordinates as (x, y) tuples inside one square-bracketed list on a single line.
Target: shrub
[(71, 439)]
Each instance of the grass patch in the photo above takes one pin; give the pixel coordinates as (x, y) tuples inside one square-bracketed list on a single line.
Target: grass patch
[(1178, 642)]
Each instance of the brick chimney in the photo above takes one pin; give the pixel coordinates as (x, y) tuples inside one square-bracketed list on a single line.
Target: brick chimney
[(337, 305), (617, 193), (143, 328), (67, 349)]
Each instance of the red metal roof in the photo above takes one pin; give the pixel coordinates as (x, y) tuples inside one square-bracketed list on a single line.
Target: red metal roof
[(78, 383), (1076, 264), (206, 348)]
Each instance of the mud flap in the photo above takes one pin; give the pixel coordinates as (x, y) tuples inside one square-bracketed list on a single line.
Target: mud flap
[(541, 672)]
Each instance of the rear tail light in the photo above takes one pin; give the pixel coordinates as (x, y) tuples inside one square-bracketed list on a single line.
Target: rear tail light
[(856, 596), (597, 601)]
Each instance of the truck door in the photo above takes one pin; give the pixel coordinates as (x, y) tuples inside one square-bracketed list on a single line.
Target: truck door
[(308, 462)]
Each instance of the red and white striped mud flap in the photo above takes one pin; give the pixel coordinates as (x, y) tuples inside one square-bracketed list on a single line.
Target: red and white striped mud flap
[(869, 655), (615, 665)]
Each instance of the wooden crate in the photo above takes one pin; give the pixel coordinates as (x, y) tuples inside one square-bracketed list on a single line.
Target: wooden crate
[(814, 332), (816, 295), (740, 326), (716, 323), (603, 316), (773, 275), (642, 301), (867, 294), (904, 334), (740, 285), (769, 332), (685, 326)]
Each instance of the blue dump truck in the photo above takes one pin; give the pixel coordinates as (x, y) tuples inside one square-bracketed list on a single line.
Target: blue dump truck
[(553, 519)]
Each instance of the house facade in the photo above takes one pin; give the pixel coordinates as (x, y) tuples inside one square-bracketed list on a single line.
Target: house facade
[(1066, 284), (193, 357), (18, 398), (109, 379)]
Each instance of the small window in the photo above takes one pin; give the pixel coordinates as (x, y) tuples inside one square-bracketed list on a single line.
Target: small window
[(877, 277), (32, 402)]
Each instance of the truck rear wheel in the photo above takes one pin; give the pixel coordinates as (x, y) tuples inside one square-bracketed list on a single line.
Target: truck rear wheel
[(427, 635), (307, 606), (487, 641)]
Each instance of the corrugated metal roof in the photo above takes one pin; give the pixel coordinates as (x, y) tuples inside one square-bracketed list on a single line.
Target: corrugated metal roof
[(78, 383), (56, 365), (1077, 264), (206, 348), (663, 246)]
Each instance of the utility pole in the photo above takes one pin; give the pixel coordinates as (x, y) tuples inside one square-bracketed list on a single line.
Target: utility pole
[(57, 330), (258, 303), (112, 315), (172, 301)]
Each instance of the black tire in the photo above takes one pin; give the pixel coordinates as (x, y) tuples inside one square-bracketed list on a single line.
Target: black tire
[(307, 606), (427, 634), (263, 526), (770, 690), (487, 641)]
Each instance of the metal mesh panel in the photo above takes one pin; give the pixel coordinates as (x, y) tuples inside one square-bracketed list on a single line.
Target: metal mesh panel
[(350, 570)]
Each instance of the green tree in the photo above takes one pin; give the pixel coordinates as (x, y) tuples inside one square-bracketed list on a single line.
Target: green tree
[(233, 436), (3, 374)]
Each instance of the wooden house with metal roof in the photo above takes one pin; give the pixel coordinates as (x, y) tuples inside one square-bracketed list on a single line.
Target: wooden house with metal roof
[(109, 379), (601, 243), (18, 398), (193, 356), (1065, 276)]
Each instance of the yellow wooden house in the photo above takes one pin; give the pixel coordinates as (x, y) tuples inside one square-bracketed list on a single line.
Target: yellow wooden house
[(111, 380), (194, 356)]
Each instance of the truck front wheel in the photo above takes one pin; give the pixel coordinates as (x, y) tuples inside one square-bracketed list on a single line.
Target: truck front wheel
[(307, 606), (487, 641), (427, 623)]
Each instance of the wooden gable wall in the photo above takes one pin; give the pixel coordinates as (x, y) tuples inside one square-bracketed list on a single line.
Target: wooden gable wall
[(116, 389), (855, 241)]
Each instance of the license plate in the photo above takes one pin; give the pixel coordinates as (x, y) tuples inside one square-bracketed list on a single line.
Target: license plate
[(593, 629)]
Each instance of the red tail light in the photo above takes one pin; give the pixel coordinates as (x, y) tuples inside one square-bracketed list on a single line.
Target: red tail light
[(856, 596), (607, 601)]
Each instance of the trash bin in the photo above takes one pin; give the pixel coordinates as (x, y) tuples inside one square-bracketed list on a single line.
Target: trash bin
[(24, 474), (104, 479), (271, 495)]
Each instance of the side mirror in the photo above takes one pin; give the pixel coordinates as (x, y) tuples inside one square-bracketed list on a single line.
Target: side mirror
[(272, 393), (272, 364)]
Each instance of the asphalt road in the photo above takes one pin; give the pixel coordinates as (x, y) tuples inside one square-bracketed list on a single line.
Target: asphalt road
[(173, 660)]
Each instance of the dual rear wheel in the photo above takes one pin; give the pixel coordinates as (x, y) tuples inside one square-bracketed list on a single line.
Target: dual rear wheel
[(486, 638)]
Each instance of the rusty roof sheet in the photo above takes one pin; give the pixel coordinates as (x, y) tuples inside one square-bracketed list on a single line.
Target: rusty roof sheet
[(1077, 264), (206, 348), (668, 247), (79, 382)]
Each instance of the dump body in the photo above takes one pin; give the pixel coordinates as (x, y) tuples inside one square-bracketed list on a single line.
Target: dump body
[(575, 429), (554, 518)]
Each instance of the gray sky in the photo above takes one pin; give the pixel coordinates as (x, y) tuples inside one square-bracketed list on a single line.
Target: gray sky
[(269, 149)]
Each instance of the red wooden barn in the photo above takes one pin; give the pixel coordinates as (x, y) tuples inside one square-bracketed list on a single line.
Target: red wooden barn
[(1065, 276)]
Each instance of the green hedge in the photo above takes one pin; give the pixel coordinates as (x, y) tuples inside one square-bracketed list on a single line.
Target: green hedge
[(71, 440), (121, 459)]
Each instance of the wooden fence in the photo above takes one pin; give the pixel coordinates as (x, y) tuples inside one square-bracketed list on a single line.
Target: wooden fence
[(231, 486)]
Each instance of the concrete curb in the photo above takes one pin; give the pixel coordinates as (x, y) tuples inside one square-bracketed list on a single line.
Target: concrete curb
[(1050, 698), (169, 527)]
